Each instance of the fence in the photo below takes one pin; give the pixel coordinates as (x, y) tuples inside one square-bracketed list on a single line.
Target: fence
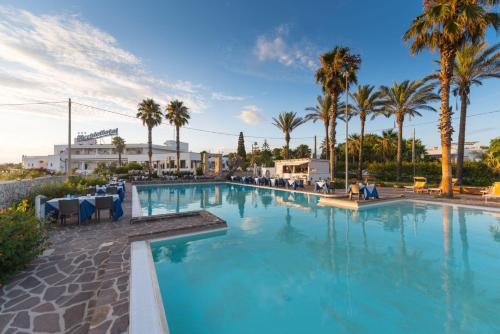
[(12, 191)]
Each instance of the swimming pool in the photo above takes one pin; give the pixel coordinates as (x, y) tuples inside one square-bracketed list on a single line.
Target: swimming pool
[(288, 265)]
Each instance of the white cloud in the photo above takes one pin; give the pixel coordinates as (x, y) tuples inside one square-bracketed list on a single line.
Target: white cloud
[(222, 97), (275, 47), (53, 57), (250, 115)]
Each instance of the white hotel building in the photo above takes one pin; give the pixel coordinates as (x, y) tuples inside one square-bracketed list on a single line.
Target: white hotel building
[(86, 156)]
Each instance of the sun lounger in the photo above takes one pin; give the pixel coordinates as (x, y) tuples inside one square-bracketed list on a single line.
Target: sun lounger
[(419, 185), (439, 190), (492, 192)]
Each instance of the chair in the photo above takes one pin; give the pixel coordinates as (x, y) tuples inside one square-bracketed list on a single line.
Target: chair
[(104, 203), (330, 185), (355, 191), (111, 190), (69, 208), (419, 185), (492, 192), (92, 190)]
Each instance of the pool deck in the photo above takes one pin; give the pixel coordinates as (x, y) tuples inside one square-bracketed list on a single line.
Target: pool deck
[(81, 283)]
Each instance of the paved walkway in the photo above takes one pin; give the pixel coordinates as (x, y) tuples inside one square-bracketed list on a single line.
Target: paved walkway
[(81, 284)]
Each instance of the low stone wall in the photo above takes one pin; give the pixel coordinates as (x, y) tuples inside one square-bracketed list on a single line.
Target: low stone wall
[(11, 191)]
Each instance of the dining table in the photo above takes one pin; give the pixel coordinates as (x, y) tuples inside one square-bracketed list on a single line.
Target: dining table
[(87, 206), (101, 190)]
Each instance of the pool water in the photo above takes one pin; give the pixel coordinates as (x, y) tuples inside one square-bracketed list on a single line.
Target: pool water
[(288, 265)]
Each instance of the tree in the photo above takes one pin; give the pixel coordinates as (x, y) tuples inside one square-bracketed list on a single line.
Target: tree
[(234, 161), (337, 65), (266, 156), (241, 147), (149, 112), (445, 26), (119, 144), (492, 157), (321, 112), (365, 102), (302, 151), (287, 122), (177, 115), (386, 145), (473, 64), (405, 100)]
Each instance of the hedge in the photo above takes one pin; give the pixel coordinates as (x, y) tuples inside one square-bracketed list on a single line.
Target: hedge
[(22, 239)]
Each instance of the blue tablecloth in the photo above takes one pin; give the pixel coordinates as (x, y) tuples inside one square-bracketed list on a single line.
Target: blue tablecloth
[(321, 185), (367, 191), (121, 190), (87, 207)]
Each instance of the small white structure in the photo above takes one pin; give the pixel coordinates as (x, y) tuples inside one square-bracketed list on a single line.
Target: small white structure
[(306, 169), (473, 151)]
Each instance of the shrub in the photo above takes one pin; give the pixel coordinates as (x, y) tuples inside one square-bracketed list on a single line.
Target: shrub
[(475, 173), (22, 239)]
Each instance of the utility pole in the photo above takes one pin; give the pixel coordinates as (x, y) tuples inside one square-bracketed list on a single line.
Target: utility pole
[(346, 74), (68, 167), (315, 155), (413, 152)]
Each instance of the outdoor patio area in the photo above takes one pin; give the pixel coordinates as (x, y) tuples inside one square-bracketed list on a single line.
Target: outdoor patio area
[(81, 283)]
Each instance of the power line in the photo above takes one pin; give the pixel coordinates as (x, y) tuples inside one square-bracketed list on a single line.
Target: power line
[(228, 133), (188, 127), (30, 103), (437, 121)]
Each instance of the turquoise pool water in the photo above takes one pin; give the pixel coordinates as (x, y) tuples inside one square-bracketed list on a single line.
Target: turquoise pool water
[(287, 265)]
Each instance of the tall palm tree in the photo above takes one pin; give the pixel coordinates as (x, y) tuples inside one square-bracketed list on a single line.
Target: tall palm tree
[(149, 112), (177, 114), (473, 64), (365, 102), (446, 25), (119, 144), (287, 122), (321, 112), (405, 100), (337, 65)]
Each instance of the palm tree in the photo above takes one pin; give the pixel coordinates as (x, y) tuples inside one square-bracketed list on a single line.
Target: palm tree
[(365, 102), (386, 144), (321, 113), (149, 112), (473, 64), (177, 114), (353, 146), (287, 122), (446, 25), (336, 65), (119, 144), (406, 99)]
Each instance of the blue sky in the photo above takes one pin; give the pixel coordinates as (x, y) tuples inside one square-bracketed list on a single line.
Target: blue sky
[(235, 63)]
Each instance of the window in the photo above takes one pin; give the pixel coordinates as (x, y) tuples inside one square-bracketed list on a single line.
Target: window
[(183, 163), (171, 164)]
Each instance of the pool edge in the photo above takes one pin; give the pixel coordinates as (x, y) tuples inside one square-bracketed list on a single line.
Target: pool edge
[(146, 309)]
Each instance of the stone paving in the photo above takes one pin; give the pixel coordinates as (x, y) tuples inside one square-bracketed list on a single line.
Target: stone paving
[(81, 284)]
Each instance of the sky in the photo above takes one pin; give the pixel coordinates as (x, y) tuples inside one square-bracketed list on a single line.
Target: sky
[(235, 64)]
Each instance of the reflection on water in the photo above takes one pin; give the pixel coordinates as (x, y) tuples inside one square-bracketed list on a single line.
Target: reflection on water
[(402, 268)]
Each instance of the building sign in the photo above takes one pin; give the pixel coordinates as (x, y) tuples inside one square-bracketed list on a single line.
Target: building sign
[(96, 135)]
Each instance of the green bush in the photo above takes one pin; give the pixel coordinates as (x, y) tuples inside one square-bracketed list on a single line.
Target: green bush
[(22, 239), (475, 173)]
